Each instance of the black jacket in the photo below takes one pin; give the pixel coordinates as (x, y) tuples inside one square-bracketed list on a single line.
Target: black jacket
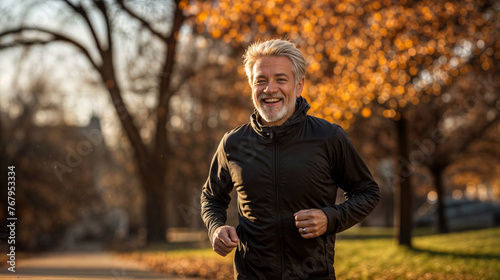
[(276, 172)]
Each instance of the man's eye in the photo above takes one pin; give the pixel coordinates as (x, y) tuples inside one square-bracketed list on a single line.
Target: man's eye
[(259, 82)]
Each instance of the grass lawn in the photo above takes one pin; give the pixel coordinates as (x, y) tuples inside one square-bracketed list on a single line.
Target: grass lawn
[(465, 255), (363, 254)]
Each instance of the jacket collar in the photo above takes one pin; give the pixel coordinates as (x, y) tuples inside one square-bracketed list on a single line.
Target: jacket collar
[(284, 131)]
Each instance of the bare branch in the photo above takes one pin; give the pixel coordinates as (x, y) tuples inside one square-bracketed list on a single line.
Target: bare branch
[(102, 7), (170, 56), (142, 21), (81, 11), (25, 43), (56, 37)]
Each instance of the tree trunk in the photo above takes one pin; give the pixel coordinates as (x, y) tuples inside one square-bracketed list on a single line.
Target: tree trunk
[(442, 222), (403, 212), (151, 168), (155, 200)]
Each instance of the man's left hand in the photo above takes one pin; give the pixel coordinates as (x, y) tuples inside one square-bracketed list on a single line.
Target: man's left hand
[(314, 221)]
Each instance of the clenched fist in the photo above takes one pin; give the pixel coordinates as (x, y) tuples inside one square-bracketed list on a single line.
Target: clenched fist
[(311, 222), (225, 240)]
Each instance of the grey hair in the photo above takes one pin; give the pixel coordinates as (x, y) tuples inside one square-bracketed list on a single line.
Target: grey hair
[(275, 47)]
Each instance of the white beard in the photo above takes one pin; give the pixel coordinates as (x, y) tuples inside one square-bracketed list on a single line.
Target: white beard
[(269, 114)]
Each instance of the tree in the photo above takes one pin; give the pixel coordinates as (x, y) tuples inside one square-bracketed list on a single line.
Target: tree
[(371, 57), (462, 117), (103, 55)]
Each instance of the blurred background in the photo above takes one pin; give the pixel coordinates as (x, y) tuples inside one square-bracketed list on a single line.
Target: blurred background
[(111, 111)]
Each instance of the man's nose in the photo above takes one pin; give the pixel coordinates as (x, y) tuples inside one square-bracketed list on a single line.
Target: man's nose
[(271, 88)]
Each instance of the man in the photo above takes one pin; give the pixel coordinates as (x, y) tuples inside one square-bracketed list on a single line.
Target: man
[(286, 167)]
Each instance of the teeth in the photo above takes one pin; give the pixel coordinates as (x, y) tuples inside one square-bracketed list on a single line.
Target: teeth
[(271, 100)]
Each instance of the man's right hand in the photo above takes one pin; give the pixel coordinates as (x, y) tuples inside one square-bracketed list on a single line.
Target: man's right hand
[(225, 240)]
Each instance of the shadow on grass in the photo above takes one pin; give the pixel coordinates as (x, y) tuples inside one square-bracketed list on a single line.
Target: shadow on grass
[(456, 254), (378, 233)]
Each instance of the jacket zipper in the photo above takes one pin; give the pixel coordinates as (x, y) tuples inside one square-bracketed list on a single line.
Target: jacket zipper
[(278, 208)]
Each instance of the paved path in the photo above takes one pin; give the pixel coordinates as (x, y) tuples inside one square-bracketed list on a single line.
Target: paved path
[(83, 265)]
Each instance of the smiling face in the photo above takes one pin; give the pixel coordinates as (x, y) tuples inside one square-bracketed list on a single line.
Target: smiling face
[(273, 89)]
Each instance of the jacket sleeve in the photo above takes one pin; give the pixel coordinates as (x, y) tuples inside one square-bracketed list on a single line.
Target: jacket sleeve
[(351, 174), (215, 195)]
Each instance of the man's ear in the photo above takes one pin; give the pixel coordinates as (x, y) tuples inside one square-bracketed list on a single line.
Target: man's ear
[(300, 87)]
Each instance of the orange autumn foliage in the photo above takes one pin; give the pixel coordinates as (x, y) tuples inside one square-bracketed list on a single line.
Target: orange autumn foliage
[(366, 57)]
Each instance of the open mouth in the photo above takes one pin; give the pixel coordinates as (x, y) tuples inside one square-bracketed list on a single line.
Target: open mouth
[(271, 100)]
